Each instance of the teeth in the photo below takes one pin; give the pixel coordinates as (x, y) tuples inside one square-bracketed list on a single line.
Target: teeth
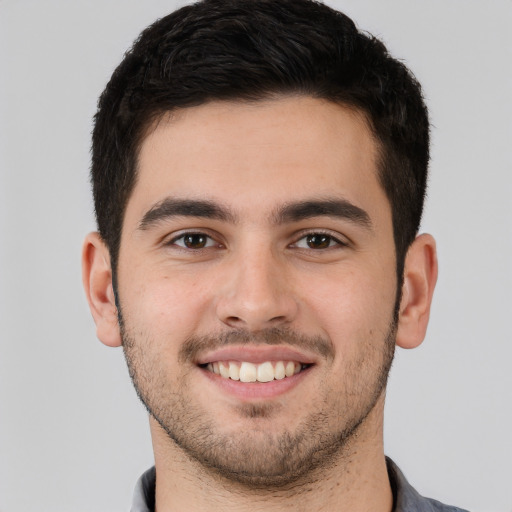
[(249, 372), (279, 371), (224, 370), (234, 371), (265, 372), (289, 369)]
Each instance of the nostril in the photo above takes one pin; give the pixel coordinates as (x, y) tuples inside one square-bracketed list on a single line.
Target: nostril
[(256, 312), (233, 321), (278, 319), (236, 321)]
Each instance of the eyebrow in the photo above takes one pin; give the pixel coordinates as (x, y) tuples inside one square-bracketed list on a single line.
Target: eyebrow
[(290, 212), (171, 207), (339, 208)]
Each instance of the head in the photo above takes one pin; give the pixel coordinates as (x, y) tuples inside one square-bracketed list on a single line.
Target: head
[(254, 50), (259, 170)]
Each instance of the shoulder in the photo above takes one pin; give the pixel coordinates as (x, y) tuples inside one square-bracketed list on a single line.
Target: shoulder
[(407, 499), (144, 493), (437, 506)]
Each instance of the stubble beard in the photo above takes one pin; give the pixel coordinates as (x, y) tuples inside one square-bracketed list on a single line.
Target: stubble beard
[(261, 458)]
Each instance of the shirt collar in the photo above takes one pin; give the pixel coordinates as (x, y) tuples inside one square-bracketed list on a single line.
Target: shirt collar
[(405, 497)]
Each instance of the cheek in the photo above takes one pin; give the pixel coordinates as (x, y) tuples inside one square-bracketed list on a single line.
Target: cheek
[(353, 305), (170, 305)]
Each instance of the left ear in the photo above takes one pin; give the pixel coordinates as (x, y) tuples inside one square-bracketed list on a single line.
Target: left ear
[(420, 276), (97, 281)]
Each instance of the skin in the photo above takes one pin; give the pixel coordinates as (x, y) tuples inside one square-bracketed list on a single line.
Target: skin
[(258, 279)]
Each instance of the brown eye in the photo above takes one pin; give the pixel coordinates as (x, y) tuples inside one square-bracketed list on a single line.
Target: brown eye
[(195, 241), (318, 241)]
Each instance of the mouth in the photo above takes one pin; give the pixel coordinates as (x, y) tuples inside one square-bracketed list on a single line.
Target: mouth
[(256, 372), (246, 371)]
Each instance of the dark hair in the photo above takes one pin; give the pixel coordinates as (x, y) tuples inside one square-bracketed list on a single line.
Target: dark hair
[(252, 50)]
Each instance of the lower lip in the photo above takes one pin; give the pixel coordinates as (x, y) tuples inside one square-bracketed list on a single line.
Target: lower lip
[(248, 391)]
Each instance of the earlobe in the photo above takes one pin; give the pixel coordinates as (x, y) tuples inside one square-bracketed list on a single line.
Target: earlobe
[(97, 281), (420, 276)]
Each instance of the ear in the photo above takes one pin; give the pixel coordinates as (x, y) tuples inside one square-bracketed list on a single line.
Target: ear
[(97, 281), (420, 276)]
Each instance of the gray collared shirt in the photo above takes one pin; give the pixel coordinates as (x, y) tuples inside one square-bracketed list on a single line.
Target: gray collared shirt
[(405, 497)]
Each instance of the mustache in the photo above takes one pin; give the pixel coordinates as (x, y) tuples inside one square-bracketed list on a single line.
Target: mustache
[(194, 345)]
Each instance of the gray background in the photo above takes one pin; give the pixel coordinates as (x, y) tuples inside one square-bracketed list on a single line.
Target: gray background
[(73, 436)]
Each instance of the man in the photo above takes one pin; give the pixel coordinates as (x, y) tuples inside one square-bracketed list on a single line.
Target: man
[(259, 169)]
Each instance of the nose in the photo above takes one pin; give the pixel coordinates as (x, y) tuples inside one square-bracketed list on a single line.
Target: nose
[(256, 292)]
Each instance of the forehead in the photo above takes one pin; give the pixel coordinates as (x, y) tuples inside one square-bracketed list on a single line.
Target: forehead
[(258, 154)]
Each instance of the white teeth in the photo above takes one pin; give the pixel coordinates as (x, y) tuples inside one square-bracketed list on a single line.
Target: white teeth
[(265, 372), (234, 371), (290, 369), (279, 371), (250, 372), (224, 370)]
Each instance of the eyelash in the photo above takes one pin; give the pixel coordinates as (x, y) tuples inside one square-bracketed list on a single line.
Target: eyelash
[(209, 242), (183, 236), (333, 241)]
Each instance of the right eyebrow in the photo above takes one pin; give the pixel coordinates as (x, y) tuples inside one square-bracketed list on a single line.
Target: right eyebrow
[(329, 207), (172, 207)]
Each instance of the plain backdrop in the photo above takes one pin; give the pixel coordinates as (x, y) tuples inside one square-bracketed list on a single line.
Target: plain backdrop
[(73, 436)]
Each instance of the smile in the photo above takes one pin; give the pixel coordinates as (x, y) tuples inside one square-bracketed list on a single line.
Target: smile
[(245, 371)]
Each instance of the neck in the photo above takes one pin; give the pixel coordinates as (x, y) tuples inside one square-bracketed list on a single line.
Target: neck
[(356, 480)]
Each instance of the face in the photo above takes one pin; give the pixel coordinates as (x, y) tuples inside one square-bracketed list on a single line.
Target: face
[(257, 285)]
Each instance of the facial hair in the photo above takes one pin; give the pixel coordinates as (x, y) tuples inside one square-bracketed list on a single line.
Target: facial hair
[(259, 457)]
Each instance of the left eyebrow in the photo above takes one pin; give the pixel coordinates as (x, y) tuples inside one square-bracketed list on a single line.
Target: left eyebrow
[(173, 207), (339, 208)]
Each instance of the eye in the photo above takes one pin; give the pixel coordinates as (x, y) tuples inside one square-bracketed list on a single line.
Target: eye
[(317, 241), (194, 241)]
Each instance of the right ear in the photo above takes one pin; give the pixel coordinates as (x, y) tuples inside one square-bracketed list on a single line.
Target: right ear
[(97, 281)]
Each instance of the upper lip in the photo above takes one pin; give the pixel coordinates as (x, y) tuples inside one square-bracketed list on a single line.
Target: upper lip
[(256, 354)]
